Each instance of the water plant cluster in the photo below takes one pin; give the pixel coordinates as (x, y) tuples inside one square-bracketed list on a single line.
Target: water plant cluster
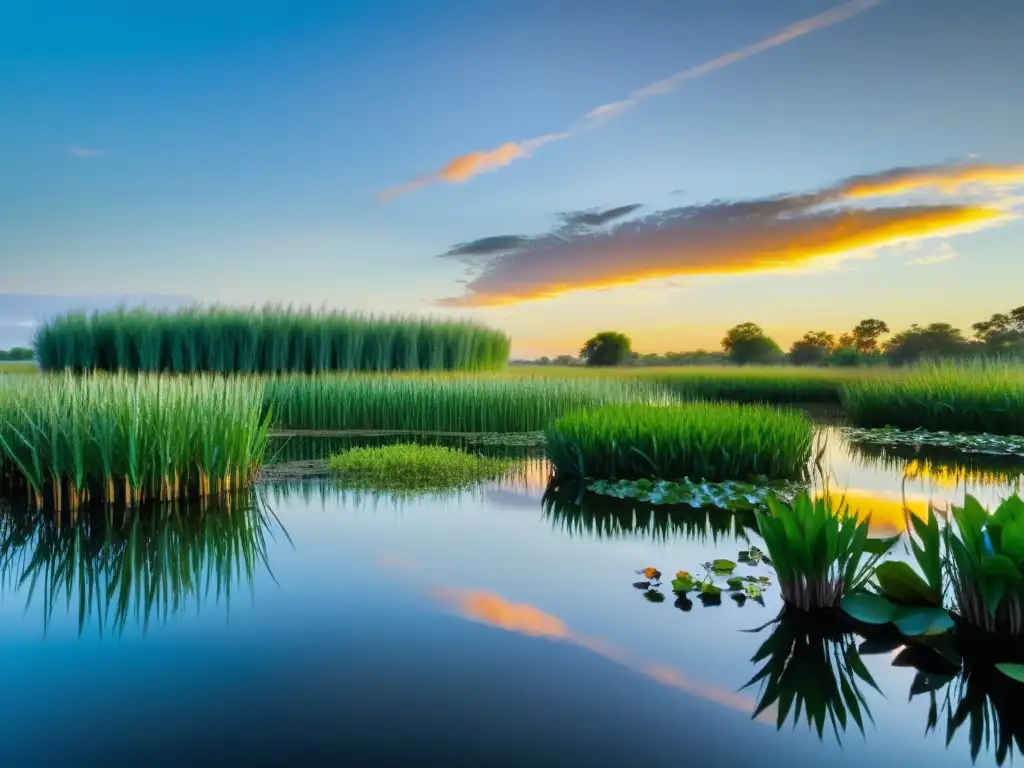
[(273, 339), (713, 442), (411, 467), (66, 441), (978, 397)]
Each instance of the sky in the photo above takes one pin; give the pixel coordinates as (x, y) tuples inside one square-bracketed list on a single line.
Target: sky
[(553, 168)]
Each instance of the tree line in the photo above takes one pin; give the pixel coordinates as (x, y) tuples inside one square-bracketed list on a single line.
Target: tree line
[(1002, 335), (15, 354)]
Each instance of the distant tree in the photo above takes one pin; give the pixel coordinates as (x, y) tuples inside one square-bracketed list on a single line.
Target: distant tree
[(16, 354), (545, 360), (813, 349), (866, 335), (747, 343), (935, 340), (1002, 333), (564, 360), (607, 348)]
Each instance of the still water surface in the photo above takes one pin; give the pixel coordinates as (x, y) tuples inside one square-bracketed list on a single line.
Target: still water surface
[(485, 628)]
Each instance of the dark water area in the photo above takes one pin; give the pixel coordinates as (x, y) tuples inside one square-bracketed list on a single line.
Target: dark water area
[(311, 624)]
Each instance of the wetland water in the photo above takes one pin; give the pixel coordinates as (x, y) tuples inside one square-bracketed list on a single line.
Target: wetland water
[(483, 628)]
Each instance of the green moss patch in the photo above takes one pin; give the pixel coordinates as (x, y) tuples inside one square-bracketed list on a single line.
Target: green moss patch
[(412, 467)]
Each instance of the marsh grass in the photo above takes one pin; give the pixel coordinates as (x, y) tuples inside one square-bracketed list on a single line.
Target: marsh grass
[(272, 339), (143, 565), (701, 441), (414, 467), (435, 403), (750, 384), (974, 396), (67, 441)]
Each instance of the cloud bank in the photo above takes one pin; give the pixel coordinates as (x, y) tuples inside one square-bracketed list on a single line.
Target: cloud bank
[(782, 233), (464, 167)]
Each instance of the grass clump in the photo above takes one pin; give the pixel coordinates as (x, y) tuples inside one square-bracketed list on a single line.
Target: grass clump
[(273, 339), (66, 441), (711, 442), (412, 467), (434, 403), (979, 396)]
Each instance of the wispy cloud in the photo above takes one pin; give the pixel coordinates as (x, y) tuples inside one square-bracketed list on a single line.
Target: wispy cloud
[(465, 167), (782, 233), (944, 252), (86, 152)]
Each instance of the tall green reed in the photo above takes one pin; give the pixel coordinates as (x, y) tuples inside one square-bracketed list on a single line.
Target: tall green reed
[(273, 339), (66, 441), (697, 440)]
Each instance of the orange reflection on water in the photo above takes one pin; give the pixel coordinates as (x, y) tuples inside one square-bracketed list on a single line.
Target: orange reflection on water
[(494, 610), (888, 513)]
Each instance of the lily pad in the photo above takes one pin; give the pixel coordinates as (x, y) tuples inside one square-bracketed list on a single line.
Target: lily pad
[(868, 608)]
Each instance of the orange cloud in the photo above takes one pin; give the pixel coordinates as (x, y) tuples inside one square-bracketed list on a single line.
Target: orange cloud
[(947, 178), (494, 610), (465, 167), (782, 233)]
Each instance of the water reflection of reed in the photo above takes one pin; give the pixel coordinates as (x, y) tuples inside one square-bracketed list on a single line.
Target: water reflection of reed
[(948, 470), (587, 514), (528, 478), (140, 564), (301, 447)]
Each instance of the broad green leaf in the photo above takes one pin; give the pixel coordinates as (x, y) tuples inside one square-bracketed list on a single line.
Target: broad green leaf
[(723, 567), (868, 608), (1012, 671), (901, 584), (880, 546), (913, 621), (1002, 567), (707, 588), (735, 583)]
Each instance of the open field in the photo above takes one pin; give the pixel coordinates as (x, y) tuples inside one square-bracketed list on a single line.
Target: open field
[(739, 384), (28, 367)]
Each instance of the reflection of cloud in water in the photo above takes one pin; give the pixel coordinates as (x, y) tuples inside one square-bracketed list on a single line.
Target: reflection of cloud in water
[(888, 511), (522, 618)]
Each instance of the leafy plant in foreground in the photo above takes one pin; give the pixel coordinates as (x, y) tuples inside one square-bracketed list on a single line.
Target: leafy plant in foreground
[(820, 550), (986, 564)]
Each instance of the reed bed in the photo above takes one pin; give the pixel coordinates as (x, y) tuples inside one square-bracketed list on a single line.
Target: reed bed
[(436, 403), (700, 441), (272, 340), (66, 441), (973, 396)]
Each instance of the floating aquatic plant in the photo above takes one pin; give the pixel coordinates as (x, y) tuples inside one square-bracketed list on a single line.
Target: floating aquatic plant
[(983, 443), (731, 495), (413, 467)]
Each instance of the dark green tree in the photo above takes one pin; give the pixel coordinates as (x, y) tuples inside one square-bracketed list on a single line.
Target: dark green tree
[(607, 348), (1002, 333), (932, 341), (813, 349), (747, 343)]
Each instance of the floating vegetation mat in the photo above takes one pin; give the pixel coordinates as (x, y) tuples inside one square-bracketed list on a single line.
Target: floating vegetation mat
[(410, 467), (988, 444), (730, 495)]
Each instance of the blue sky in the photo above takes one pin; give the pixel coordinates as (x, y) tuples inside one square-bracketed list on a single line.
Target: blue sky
[(236, 152)]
